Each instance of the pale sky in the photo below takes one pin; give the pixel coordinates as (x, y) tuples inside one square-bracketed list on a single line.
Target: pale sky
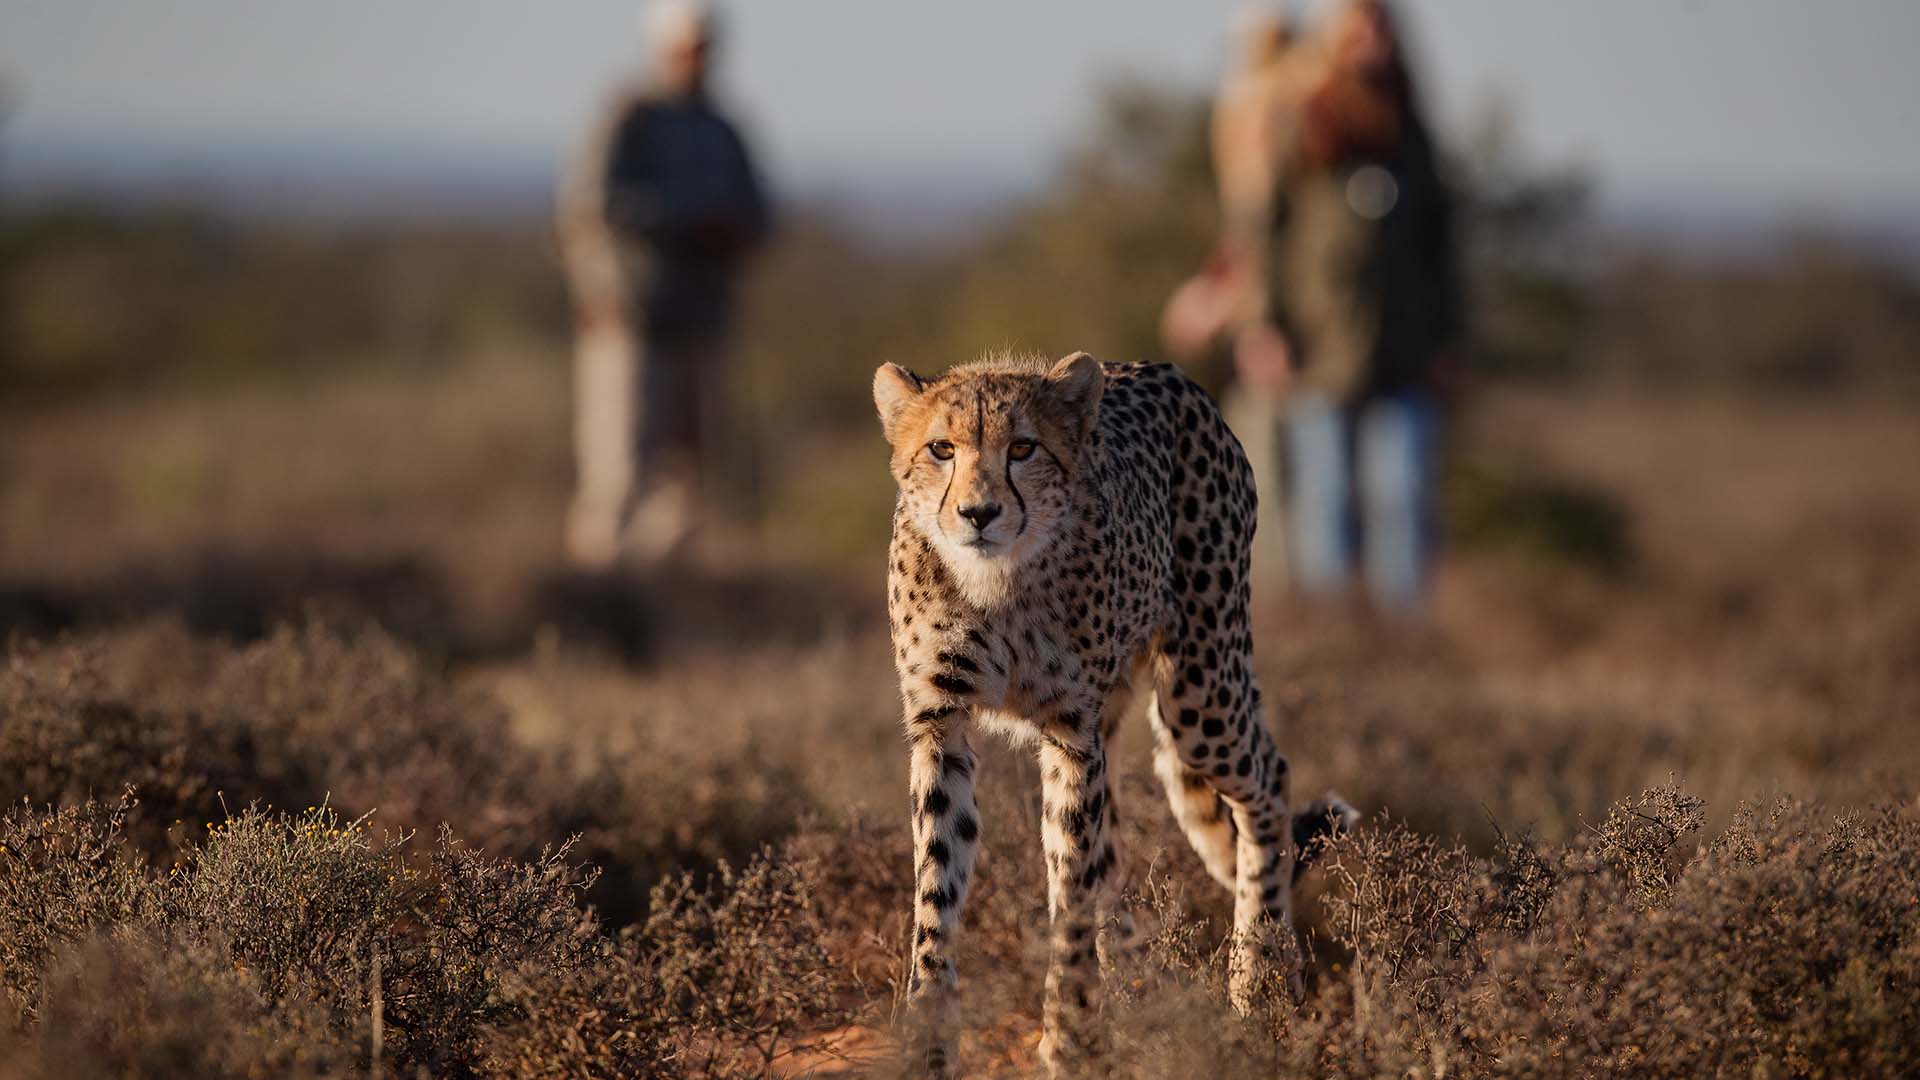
[(1805, 104)]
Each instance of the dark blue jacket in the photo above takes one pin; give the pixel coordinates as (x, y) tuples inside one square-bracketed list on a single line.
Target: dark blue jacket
[(679, 183)]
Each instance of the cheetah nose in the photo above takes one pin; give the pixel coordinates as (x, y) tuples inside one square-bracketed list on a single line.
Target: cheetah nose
[(981, 514)]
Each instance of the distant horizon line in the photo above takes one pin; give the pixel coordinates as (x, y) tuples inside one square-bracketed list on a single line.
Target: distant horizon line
[(890, 196)]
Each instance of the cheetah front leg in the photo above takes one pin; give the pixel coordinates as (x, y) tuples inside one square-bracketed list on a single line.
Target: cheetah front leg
[(946, 838), (1080, 857)]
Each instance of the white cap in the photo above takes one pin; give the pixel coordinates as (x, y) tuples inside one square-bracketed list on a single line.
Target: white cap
[(675, 24)]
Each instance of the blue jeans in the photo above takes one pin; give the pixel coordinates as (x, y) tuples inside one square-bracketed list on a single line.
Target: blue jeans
[(1361, 485)]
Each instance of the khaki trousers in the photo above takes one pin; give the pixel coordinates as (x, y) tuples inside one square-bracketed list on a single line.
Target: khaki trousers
[(645, 415)]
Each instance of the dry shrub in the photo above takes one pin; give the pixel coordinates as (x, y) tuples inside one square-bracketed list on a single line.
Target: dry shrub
[(1786, 943), (1167, 994), (740, 966), (311, 903), (301, 902), (489, 917), (70, 736), (1789, 947), (273, 944), (63, 873), (671, 810), (287, 721), (1639, 837), (357, 720), (723, 980), (859, 873), (1408, 904), (143, 1004), (599, 1020)]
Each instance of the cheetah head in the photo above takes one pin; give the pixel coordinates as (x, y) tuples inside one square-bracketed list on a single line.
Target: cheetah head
[(986, 457)]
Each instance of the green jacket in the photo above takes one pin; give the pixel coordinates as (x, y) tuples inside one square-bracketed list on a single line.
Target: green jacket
[(1362, 276)]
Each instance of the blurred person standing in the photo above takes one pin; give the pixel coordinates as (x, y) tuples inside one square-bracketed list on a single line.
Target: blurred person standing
[(656, 219), (1365, 312)]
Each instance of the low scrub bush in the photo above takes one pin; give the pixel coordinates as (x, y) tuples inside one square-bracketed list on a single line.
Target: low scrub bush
[(355, 719), (1788, 945), (308, 944), (156, 934)]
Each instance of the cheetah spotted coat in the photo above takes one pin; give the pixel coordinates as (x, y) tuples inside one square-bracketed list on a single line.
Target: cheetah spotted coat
[(1061, 530)]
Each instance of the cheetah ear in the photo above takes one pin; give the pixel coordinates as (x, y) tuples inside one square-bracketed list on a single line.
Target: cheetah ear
[(894, 388), (1077, 382)]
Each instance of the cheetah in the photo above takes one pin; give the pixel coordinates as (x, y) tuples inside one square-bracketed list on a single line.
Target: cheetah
[(1061, 532)]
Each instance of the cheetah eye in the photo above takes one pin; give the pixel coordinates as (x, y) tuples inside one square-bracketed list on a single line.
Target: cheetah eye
[(1021, 449), (941, 450)]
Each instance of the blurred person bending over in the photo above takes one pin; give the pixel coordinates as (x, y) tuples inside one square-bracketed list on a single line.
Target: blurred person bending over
[(656, 219), (1365, 307)]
